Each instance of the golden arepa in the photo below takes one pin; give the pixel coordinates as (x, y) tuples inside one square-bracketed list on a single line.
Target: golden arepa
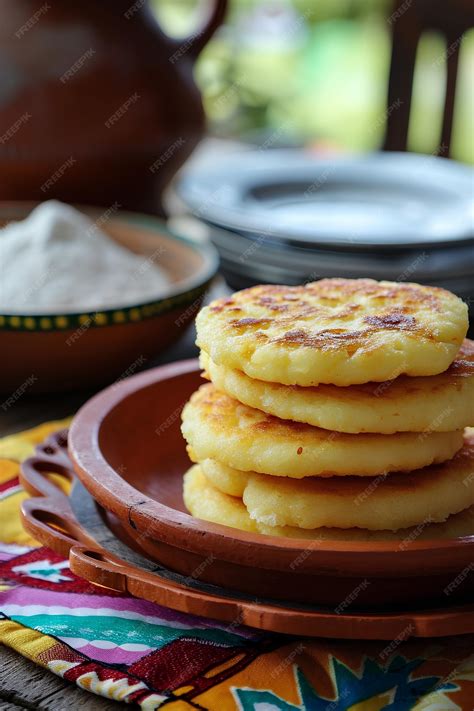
[(402, 405), (206, 502), (339, 331), (218, 427)]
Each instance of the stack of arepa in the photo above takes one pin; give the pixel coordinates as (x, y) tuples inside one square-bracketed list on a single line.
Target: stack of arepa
[(335, 410)]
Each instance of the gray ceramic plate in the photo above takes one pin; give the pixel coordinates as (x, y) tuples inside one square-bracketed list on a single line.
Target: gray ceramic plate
[(383, 200)]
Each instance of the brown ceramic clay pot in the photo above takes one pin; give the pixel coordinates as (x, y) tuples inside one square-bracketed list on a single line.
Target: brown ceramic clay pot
[(97, 104)]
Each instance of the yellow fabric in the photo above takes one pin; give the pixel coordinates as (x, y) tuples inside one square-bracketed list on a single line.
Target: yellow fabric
[(20, 445), (30, 643)]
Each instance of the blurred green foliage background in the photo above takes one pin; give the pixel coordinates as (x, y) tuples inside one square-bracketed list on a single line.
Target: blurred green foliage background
[(298, 71)]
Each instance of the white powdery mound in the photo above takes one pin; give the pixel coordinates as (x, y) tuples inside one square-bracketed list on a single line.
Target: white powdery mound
[(58, 260)]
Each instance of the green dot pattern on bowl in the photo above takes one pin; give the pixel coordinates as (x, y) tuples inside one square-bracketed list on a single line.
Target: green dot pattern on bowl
[(109, 317)]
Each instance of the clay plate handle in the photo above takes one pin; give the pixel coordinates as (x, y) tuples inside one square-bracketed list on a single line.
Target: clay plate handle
[(50, 457), (48, 516)]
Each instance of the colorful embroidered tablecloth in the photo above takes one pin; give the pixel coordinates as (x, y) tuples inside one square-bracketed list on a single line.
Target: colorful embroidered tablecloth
[(143, 654)]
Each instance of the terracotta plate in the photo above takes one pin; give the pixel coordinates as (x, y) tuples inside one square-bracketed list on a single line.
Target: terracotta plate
[(128, 451), (101, 551)]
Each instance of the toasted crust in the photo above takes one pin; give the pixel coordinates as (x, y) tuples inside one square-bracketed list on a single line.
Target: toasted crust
[(219, 427), (338, 331), (402, 405), (205, 501)]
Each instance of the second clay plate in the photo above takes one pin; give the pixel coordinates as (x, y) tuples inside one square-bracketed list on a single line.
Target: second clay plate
[(64, 516)]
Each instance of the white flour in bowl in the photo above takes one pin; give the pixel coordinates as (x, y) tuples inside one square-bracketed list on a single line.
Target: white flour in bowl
[(58, 260)]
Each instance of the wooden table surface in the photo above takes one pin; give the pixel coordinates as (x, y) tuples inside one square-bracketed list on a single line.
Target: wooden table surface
[(24, 685)]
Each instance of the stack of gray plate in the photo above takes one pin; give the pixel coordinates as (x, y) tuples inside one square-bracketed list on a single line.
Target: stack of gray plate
[(289, 217)]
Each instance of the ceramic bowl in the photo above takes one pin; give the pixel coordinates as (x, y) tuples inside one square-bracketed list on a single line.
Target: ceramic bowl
[(128, 451), (64, 351)]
